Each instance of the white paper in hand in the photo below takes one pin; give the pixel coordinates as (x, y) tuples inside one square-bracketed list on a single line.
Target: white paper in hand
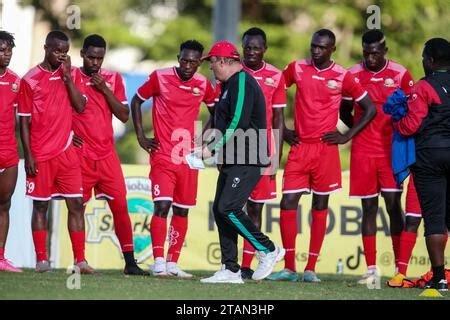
[(194, 162)]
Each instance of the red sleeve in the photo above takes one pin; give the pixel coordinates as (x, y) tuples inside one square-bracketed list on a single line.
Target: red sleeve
[(150, 88), (422, 96), (210, 95), (16, 98), (119, 89), (407, 83), (289, 74), (279, 96), (352, 88), (76, 76), (25, 99)]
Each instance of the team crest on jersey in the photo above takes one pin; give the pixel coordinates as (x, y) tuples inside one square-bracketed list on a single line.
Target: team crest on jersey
[(195, 91), (100, 225), (269, 81), (14, 87), (388, 82), (332, 84)]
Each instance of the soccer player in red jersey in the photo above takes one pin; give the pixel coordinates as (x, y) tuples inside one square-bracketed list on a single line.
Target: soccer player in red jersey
[(46, 99), (313, 163), (272, 83), (177, 94), (94, 136), (371, 153), (9, 158)]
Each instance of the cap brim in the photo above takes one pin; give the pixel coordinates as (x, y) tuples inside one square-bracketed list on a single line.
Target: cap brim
[(207, 57)]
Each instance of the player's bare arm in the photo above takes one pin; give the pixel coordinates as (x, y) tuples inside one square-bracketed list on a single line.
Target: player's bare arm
[(345, 112), (369, 113), (30, 162), (148, 144), (119, 109), (290, 136), (77, 100)]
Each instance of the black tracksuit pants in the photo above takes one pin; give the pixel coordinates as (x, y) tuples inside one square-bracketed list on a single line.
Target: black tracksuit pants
[(432, 181), (234, 186)]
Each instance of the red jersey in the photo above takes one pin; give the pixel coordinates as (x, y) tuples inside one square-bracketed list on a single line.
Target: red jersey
[(43, 97), (273, 86), (376, 138), (94, 125), (422, 96), (9, 90), (176, 104), (318, 96)]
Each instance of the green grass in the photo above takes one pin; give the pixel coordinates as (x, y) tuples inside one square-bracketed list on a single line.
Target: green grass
[(111, 284)]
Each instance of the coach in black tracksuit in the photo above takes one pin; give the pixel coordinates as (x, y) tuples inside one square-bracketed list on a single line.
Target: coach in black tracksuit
[(241, 144), (428, 119)]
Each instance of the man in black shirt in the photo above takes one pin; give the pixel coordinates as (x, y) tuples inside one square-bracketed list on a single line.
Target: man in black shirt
[(240, 141)]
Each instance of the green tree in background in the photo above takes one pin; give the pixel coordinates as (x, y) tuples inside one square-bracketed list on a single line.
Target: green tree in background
[(289, 25)]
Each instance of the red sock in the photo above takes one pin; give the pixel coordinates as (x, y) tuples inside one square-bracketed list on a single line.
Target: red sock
[(318, 230), (396, 248), (2, 253), (40, 244), (78, 242), (158, 232), (122, 223), (407, 243), (247, 255), (177, 233), (289, 229), (370, 250)]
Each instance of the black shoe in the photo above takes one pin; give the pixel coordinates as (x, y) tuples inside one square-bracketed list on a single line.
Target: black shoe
[(442, 285), (134, 270), (246, 273)]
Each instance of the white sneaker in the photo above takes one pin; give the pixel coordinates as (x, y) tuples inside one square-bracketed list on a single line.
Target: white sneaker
[(159, 268), (369, 277), (267, 261), (173, 270), (224, 276)]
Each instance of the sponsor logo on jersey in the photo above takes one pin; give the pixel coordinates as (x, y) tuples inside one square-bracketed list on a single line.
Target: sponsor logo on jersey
[(269, 81), (388, 82), (332, 84)]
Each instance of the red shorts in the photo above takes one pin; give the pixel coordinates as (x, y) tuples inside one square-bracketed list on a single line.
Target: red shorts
[(8, 159), (313, 167), (173, 182), (265, 190), (105, 176), (370, 175), (412, 207), (59, 177)]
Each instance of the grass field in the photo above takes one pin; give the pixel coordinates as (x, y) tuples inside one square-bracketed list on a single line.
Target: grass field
[(111, 285)]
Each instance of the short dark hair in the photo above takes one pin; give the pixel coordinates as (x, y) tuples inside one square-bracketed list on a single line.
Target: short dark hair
[(94, 40), (7, 37), (328, 33), (374, 36), (254, 31), (56, 35), (192, 45), (439, 50)]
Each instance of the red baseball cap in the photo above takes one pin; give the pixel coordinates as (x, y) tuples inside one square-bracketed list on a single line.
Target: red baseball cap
[(223, 49)]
